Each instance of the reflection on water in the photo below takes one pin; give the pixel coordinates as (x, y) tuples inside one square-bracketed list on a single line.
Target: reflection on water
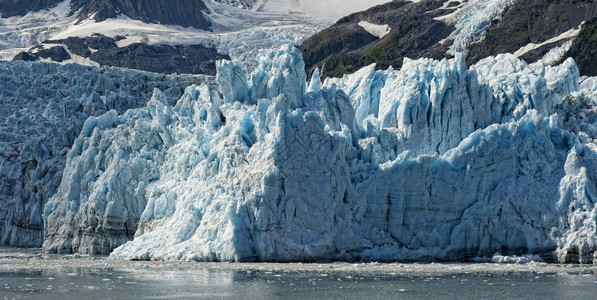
[(30, 274)]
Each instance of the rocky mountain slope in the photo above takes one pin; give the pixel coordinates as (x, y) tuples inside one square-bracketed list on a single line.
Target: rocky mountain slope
[(142, 35), (347, 45), (542, 23), (584, 49), (439, 28), (103, 50), (11, 8), (186, 13)]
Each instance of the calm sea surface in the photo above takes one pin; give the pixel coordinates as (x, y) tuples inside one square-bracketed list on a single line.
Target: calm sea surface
[(29, 274)]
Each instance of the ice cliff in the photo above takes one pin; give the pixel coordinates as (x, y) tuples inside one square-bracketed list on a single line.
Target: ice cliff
[(432, 160), (42, 110)]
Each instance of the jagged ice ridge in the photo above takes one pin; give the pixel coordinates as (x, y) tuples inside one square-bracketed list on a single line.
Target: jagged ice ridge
[(42, 110), (432, 160)]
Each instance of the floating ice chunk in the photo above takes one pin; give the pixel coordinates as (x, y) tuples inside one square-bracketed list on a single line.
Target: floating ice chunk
[(523, 259)]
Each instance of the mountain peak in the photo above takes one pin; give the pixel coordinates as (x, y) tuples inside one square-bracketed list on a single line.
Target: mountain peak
[(439, 29), (172, 12), (186, 13)]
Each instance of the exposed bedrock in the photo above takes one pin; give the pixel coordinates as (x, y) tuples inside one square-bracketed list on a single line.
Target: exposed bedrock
[(186, 13)]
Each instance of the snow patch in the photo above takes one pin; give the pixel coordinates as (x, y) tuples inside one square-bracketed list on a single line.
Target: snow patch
[(532, 46), (34, 27), (379, 31)]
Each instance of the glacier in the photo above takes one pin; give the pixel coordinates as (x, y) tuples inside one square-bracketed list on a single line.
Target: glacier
[(43, 108), (472, 20), (429, 161), (237, 32)]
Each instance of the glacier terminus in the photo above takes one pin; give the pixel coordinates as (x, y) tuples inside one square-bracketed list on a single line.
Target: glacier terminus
[(435, 160)]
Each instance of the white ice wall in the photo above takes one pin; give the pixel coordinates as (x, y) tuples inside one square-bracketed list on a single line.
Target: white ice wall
[(432, 160), (42, 110)]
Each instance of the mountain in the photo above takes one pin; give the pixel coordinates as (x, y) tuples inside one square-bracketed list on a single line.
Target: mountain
[(542, 24), (103, 50), (348, 45), (155, 36), (12, 8), (186, 13), (453, 156), (584, 49), (438, 29)]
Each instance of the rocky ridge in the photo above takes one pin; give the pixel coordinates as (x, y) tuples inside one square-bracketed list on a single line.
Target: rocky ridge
[(185, 13), (433, 28), (189, 59)]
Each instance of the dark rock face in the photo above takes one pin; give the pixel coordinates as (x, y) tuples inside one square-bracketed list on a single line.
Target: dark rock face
[(83, 46), (346, 46), (57, 54), (11, 8), (192, 59), (25, 56), (584, 49), (186, 13), (532, 21)]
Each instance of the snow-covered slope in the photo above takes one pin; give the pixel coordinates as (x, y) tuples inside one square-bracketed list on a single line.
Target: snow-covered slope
[(236, 32), (432, 160), (25, 31), (42, 110)]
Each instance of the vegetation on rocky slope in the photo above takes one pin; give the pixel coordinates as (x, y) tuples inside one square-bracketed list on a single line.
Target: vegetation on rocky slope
[(584, 49), (345, 47), (532, 21)]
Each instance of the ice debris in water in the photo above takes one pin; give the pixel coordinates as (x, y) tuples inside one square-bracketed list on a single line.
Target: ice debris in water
[(513, 259), (432, 160)]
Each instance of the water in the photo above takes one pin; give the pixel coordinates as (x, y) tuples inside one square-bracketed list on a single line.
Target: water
[(28, 274)]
